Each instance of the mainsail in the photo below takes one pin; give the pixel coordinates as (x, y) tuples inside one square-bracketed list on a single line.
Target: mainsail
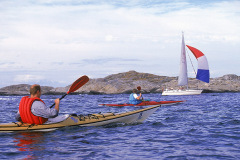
[(183, 75), (203, 69)]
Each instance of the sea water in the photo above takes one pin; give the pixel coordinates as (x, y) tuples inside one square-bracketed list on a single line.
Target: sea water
[(205, 126)]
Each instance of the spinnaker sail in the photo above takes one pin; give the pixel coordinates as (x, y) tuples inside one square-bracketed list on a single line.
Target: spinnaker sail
[(203, 68)]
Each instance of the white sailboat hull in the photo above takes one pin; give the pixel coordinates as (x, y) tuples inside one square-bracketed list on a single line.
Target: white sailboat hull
[(181, 92)]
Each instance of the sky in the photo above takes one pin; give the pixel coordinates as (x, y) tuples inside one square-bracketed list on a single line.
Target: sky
[(54, 42)]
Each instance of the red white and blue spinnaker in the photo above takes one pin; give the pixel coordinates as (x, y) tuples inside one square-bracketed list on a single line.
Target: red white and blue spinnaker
[(203, 69)]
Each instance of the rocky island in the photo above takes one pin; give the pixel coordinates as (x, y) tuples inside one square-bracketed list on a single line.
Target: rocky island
[(125, 82)]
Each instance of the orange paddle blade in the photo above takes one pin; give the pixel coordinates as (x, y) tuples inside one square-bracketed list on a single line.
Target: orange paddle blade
[(78, 83)]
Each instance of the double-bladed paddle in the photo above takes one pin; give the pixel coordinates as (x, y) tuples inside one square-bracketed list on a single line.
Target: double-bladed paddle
[(75, 86)]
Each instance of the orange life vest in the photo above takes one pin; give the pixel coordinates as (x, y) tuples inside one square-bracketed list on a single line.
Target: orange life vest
[(25, 111)]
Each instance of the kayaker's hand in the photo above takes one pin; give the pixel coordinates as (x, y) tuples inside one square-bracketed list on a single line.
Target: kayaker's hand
[(57, 101), (141, 96)]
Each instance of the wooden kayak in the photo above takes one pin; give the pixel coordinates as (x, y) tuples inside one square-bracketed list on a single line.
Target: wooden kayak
[(80, 120)]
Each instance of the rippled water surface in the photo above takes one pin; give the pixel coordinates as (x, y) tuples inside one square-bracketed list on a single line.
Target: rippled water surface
[(206, 126)]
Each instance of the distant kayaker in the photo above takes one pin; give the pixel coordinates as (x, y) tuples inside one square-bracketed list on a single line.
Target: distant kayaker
[(33, 110), (134, 98)]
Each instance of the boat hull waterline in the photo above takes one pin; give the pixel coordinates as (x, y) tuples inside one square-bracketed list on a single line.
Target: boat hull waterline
[(135, 116), (181, 92)]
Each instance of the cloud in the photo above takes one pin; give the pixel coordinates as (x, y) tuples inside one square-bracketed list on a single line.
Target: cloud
[(6, 65), (108, 60), (28, 78), (41, 79), (108, 37), (51, 38)]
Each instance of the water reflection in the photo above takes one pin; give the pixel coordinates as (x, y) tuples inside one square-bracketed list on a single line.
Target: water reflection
[(29, 142)]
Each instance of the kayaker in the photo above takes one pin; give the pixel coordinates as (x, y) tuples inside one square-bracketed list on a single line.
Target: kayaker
[(134, 98), (33, 110)]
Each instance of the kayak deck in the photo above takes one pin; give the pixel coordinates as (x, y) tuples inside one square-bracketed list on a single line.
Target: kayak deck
[(144, 103), (87, 120)]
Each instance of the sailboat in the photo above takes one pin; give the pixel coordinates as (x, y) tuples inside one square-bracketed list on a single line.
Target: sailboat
[(202, 73)]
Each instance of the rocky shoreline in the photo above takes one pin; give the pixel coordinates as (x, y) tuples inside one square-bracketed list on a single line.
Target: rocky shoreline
[(125, 82)]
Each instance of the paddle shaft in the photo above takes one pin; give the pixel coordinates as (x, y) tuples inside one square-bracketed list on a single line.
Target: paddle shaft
[(59, 99)]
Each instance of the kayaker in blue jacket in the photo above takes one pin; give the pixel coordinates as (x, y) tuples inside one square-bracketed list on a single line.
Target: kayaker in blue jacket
[(134, 98)]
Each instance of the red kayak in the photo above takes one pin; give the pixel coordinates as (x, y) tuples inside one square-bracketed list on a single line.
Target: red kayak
[(144, 103)]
